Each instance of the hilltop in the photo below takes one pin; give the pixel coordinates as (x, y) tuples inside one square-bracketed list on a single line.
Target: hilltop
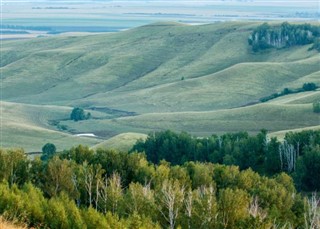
[(202, 79)]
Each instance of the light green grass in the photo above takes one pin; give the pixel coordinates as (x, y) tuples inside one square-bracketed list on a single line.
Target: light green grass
[(254, 118), (281, 134), (141, 69), (174, 76), (298, 98), (122, 142), (27, 126)]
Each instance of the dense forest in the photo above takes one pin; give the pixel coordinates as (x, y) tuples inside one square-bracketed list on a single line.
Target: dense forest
[(174, 184), (286, 35), (298, 155)]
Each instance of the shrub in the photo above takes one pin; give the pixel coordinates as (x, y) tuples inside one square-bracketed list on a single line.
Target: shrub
[(309, 86)]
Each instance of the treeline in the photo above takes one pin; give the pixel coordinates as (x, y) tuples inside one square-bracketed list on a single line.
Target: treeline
[(268, 36), (81, 188), (286, 91), (298, 155)]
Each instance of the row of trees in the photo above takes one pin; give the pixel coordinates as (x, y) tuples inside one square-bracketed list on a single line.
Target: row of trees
[(81, 188), (286, 35), (298, 155), (286, 91)]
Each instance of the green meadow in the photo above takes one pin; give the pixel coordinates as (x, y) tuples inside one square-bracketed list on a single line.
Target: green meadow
[(202, 79)]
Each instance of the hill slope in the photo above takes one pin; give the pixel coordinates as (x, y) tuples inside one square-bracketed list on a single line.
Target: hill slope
[(142, 69), (163, 76)]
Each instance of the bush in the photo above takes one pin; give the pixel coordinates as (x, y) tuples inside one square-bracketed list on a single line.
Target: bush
[(309, 86), (78, 114)]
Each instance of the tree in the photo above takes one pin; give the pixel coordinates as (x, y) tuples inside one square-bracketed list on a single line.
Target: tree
[(288, 157), (78, 114), (58, 177), (233, 207), (48, 151), (205, 207), (312, 216), (171, 199), (309, 86), (14, 166)]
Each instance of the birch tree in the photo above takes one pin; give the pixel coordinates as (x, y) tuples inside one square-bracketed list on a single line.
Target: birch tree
[(205, 207), (312, 216), (114, 191), (288, 157), (171, 198)]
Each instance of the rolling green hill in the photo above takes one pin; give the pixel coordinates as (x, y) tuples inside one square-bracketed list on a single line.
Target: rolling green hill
[(199, 79), (122, 142), (27, 126)]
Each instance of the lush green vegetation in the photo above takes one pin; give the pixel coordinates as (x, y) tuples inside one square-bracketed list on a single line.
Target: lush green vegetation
[(48, 150), (298, 155), (82, 188), (283, 36)]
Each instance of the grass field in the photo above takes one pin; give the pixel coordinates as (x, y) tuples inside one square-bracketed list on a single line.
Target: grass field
[(122, 142), (26, 126), (169, 75)]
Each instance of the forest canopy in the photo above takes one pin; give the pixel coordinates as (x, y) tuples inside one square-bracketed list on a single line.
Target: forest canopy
[(83, 188), (285, 35)]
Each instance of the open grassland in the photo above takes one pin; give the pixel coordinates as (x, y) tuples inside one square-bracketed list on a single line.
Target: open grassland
[(199, 79), (281, 134), (202, 67), (122, 142), (253, 118), (27, 126)]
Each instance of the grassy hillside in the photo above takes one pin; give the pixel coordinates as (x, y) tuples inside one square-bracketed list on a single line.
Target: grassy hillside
[(122, 142), (273, 117), (142, 69), (161, 76), (27, 126)]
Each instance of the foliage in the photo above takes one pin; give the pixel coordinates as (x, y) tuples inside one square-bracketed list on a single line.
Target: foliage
[(78, 114), (309, 86), (264, 155), (286, 91), (285, 35), (316, 45), (83, 188), (48, 150)]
